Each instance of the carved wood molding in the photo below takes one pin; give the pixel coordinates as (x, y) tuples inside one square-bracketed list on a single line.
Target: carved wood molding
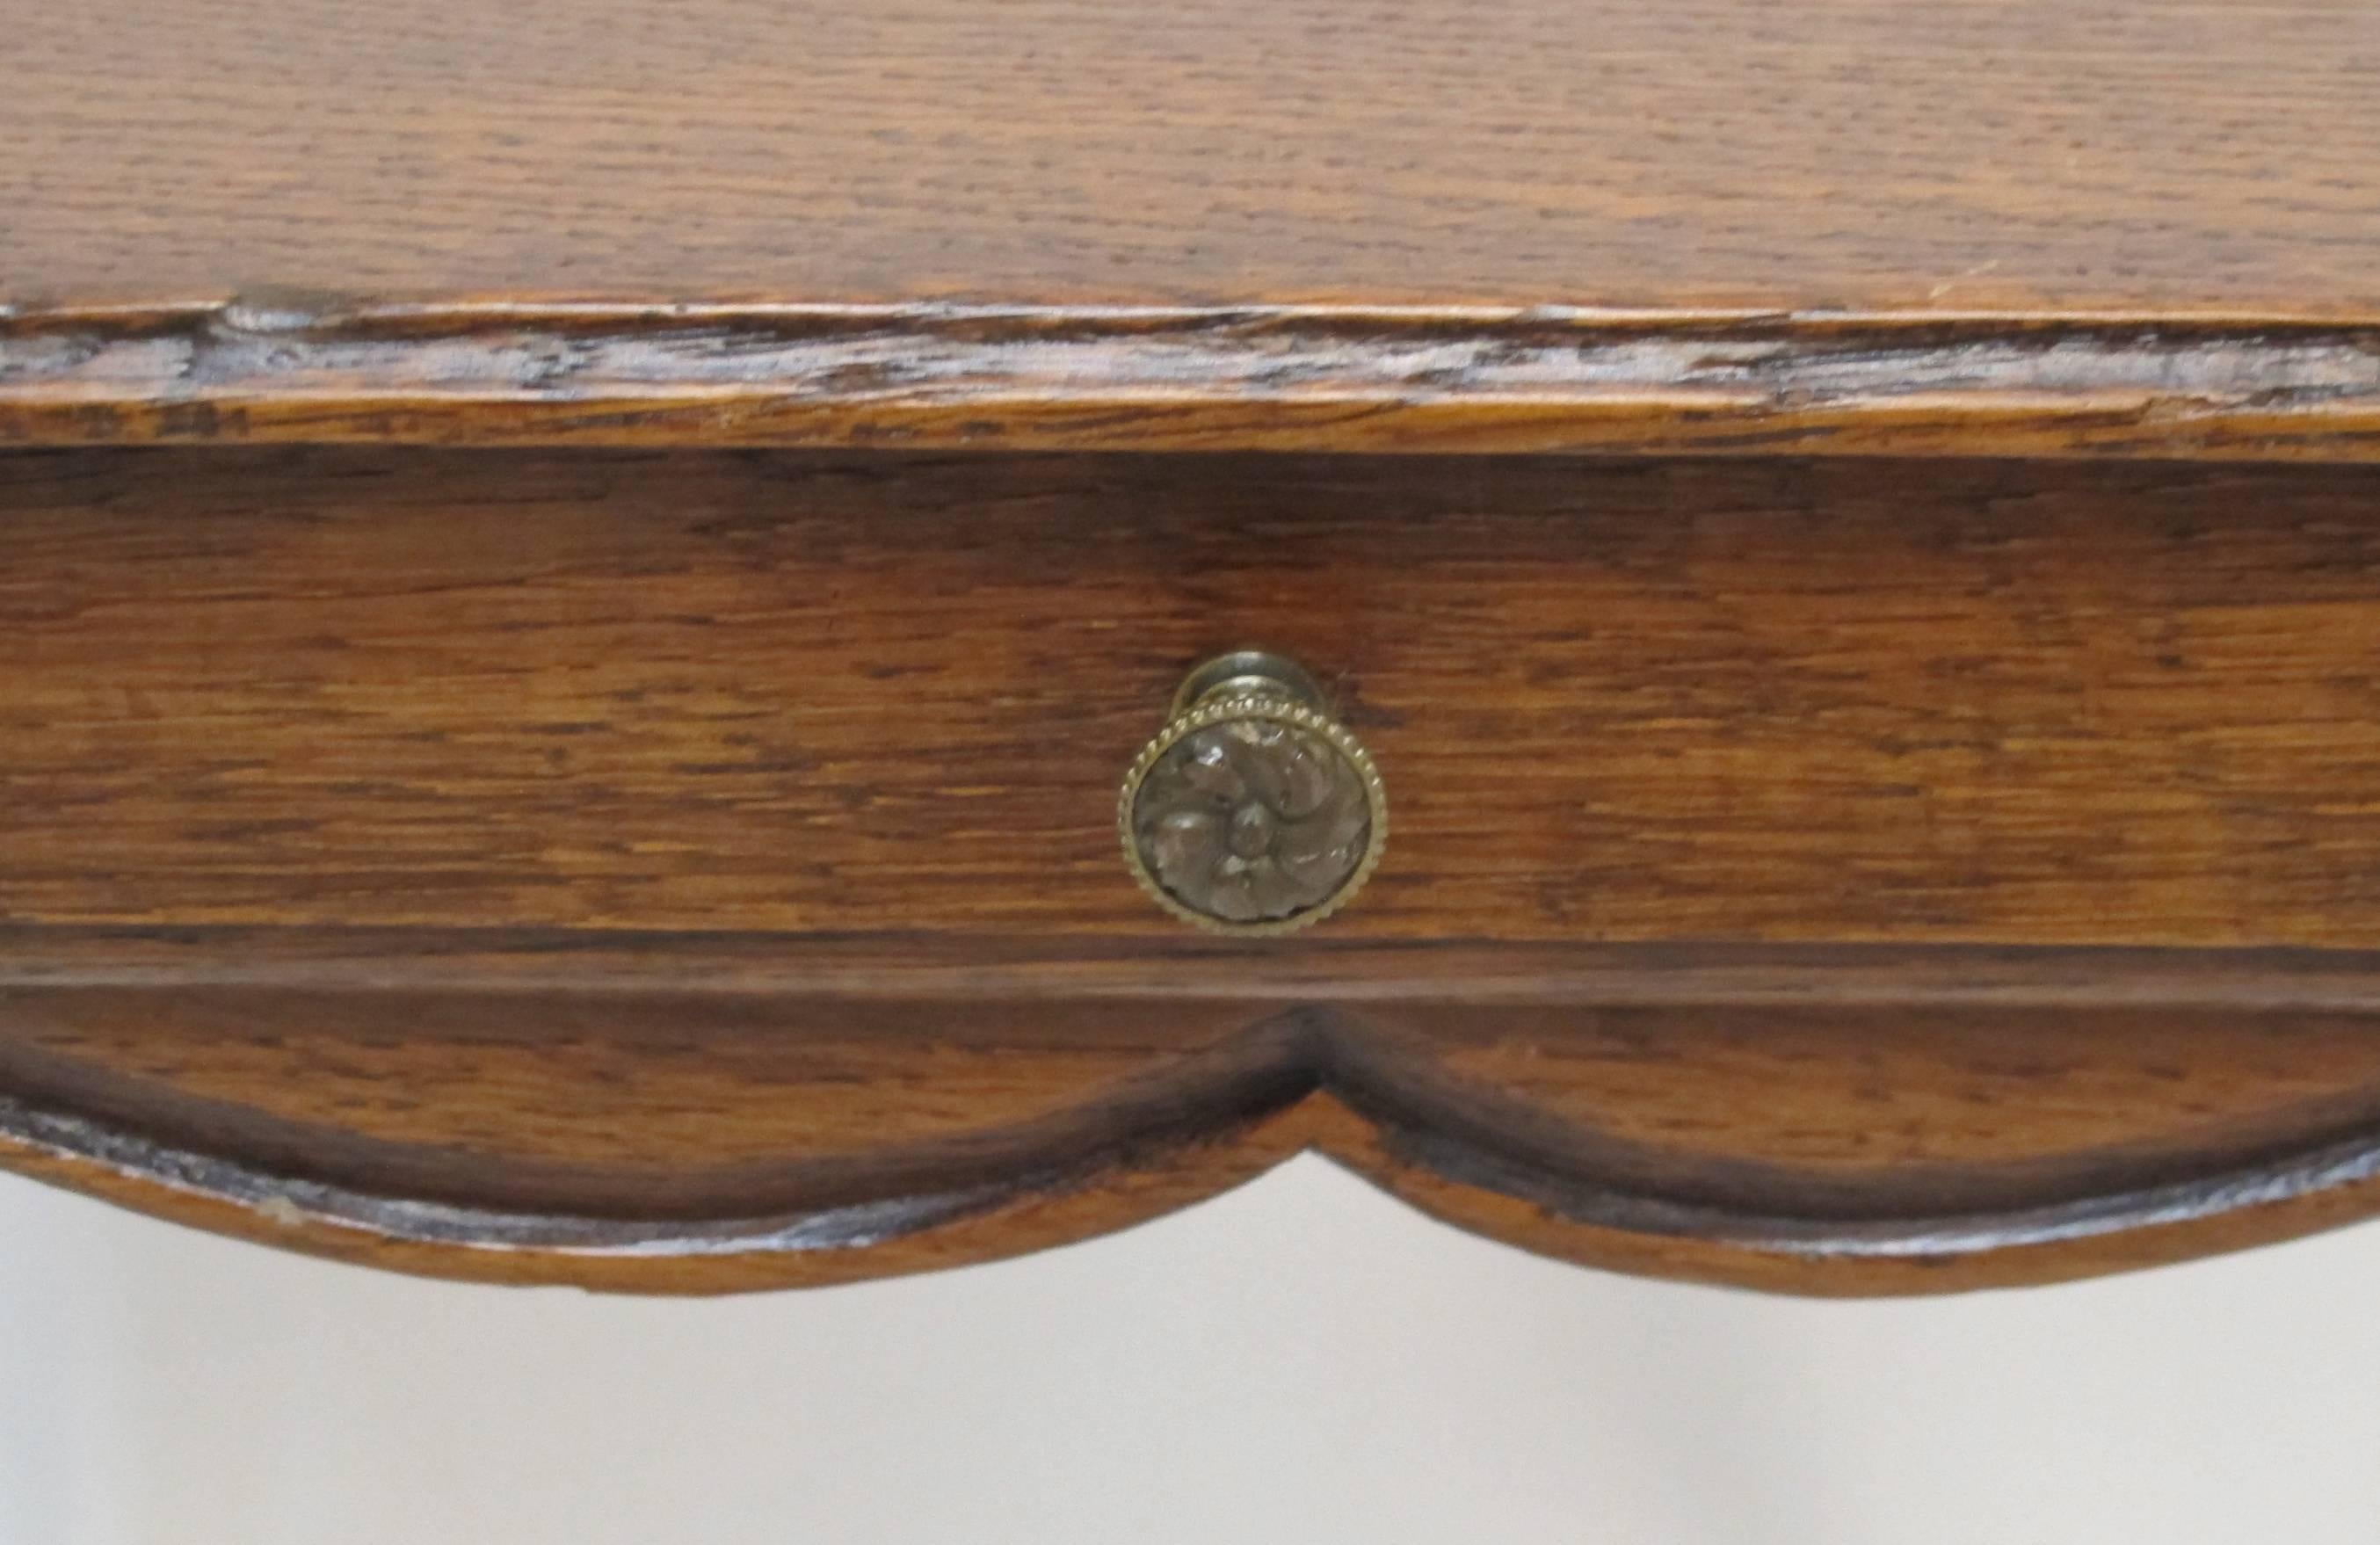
[(696, 1114)]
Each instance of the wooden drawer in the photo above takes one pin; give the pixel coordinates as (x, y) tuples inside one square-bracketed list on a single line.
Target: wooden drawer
[(687, 868), (1908, 703)]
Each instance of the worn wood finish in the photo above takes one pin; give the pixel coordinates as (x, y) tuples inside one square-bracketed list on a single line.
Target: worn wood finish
[(2111, 154), (686, 873), (2132, 227), (310, 369), (1348, 380)]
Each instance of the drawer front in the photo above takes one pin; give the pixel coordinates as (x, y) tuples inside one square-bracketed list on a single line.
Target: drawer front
[(1612, 702), (701, 870)]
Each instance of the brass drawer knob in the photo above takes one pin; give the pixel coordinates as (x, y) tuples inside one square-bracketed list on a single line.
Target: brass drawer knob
[(1253, 812)]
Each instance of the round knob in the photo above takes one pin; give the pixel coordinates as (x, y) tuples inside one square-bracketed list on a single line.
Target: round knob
[(1253, 812)]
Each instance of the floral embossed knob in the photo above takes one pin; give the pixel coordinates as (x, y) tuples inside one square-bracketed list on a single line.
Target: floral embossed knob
[(1253, 812)]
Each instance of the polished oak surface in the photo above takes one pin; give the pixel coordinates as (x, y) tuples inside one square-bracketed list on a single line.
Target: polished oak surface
[(2113, 155)]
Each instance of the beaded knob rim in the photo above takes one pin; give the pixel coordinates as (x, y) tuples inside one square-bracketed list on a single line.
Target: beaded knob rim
[(1235, 702)]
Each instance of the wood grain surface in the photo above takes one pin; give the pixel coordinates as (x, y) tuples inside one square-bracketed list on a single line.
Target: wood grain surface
[(533, 745), (1832, 700), (690, 872), (2002, 227), (2120, 155)]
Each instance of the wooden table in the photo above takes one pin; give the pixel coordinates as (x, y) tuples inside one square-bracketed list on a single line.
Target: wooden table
[(583, 580)]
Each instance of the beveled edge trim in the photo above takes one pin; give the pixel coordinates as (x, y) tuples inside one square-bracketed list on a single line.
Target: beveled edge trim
[(291, 368)]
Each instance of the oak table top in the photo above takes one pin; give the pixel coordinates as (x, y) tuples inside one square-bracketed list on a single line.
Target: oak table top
[(2141, 228), (1980, 155)]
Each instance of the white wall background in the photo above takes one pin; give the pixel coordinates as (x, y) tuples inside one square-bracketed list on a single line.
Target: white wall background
[(1302, 1361)]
